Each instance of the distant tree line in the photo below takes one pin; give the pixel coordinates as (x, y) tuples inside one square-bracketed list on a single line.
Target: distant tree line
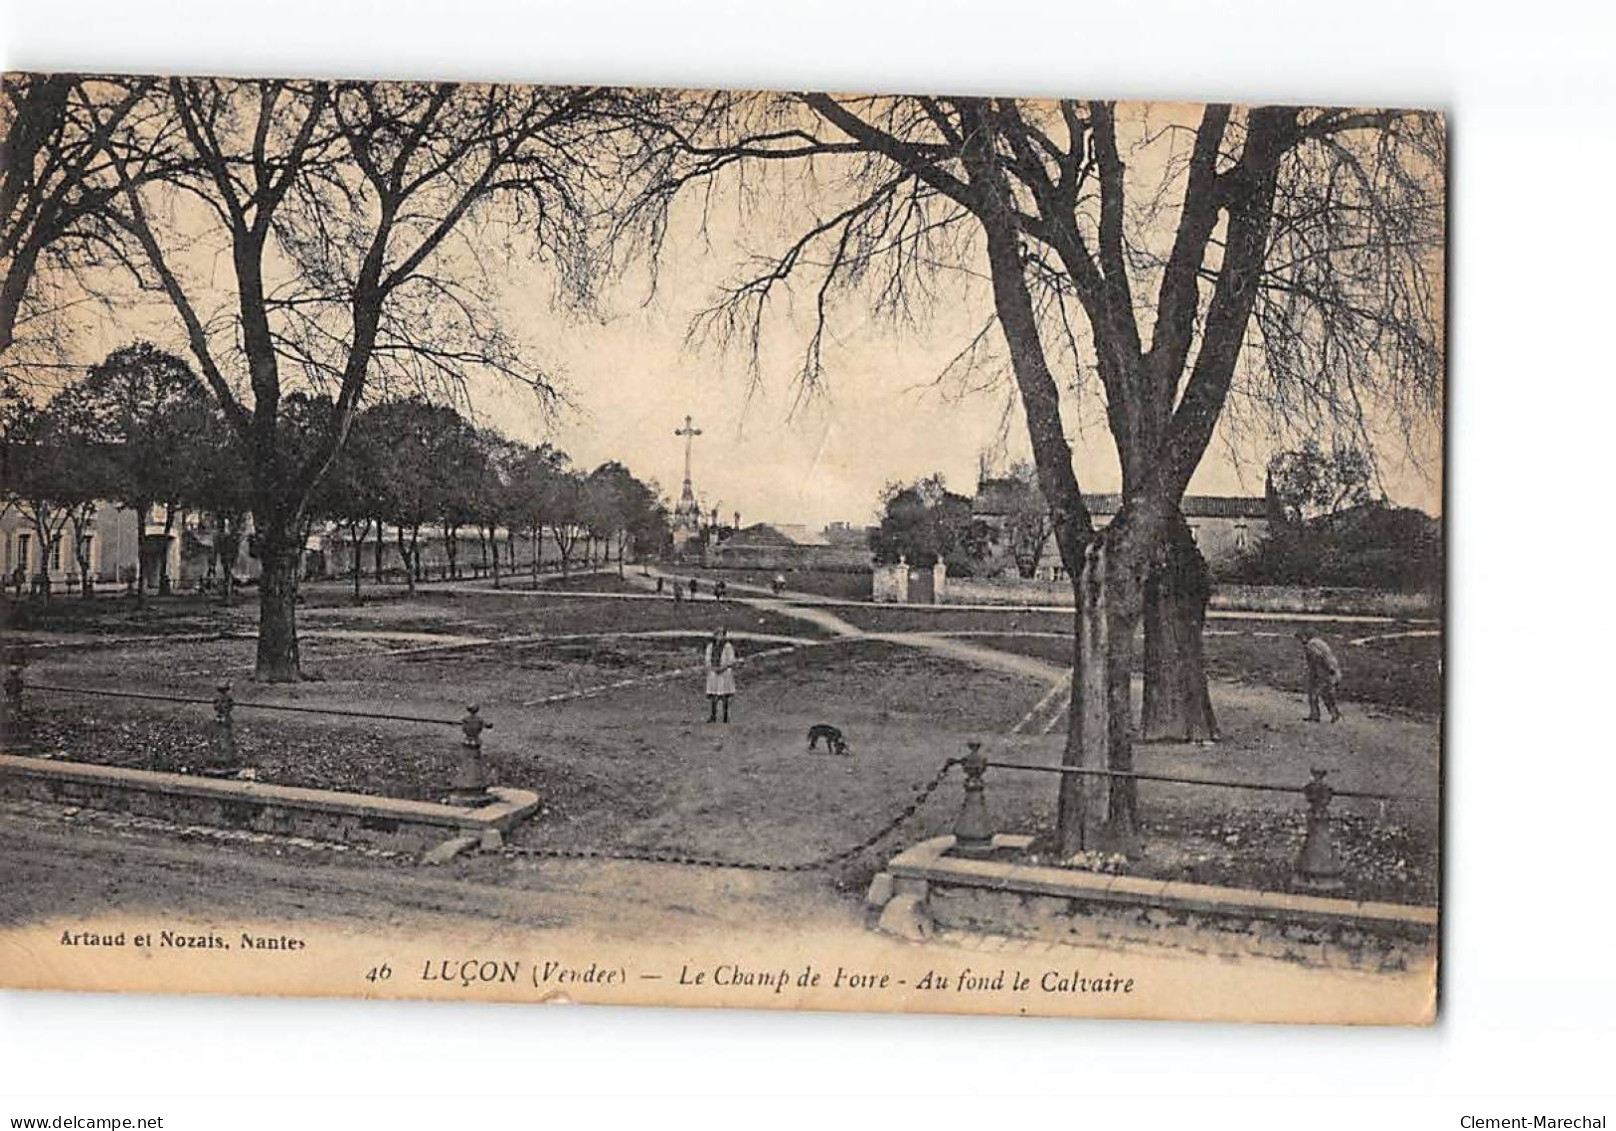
[(1326, 527), (140, 430)]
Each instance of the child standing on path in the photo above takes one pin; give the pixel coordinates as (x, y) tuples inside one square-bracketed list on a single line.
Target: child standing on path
[(720, 663)]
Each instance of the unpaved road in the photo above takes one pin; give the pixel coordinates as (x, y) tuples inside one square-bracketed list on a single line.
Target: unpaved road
[(89, 867)]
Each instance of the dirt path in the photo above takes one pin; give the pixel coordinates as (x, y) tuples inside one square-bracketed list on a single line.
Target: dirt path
[(950, 645), (66, 869), (1213, 614)]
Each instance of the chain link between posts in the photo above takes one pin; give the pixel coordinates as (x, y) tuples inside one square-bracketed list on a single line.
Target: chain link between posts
[(675, 856)]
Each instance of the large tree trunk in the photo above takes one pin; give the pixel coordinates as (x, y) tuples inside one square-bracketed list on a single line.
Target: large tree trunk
[(1084, 799), (380, 550), (279, 553), (1177, 702), (1096, 812)]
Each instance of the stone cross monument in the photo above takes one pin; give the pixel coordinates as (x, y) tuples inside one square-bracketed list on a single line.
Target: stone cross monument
[(687, 513)]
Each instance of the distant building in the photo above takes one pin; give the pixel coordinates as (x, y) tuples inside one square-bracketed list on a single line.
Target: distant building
[(846, 534), (1224, 526), (789, 545), (180, 551)]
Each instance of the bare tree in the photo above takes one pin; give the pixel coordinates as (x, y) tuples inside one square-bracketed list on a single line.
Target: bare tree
[(1286, 258), (59, 136), (353, 219)]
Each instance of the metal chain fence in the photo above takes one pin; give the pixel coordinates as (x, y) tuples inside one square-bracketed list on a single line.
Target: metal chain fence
[(675, 856)]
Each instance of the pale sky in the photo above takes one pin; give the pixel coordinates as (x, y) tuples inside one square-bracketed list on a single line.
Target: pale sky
[(631, 377), (880, 415)]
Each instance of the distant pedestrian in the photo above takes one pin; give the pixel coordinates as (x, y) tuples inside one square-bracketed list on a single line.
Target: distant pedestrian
[(678, 592), (692, 588), (778, 584), (719, 589), (1323, 675), (719, 661), (659, 584)]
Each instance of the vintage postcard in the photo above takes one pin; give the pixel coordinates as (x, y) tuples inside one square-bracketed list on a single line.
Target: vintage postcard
[(764, 550)]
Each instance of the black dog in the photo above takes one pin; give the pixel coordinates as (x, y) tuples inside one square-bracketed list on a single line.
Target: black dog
[(834, 743)]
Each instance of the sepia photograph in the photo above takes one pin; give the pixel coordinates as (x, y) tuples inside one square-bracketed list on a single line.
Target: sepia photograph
[(764, 549)]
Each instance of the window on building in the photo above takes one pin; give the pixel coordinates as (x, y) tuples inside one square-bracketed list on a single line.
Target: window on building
[(56, 554), (22, 553)]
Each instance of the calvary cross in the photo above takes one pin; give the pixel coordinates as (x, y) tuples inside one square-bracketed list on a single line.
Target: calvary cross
[(689, 432)]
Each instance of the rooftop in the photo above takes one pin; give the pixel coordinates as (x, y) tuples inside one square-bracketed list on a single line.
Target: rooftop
[(994, 497)]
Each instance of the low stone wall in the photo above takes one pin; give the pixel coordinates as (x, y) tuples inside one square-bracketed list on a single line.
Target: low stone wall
[(352, 818), (834, 559), (1234, 598), (924, 888), (1006, 591)]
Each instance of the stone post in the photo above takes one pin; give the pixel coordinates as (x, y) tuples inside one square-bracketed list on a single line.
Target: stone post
[(973, 834), (939, 581), (1318, 868), (470, 783), (14, 721), (222, 744)]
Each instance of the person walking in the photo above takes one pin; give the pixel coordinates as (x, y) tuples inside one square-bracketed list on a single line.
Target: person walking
[(1323, 675), (720, 664)]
